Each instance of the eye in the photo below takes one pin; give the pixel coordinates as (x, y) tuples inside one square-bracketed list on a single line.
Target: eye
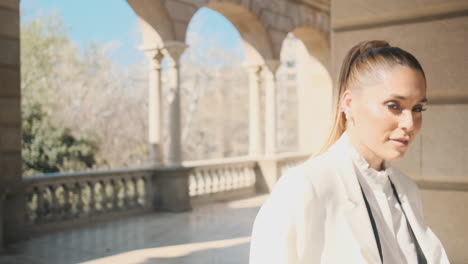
[(393, 106), (419, 109)]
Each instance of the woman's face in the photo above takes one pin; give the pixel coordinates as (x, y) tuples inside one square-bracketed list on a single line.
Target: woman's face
[(388, 114)]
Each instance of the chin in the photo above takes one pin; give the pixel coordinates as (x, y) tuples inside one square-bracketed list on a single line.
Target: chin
[(395, 155)]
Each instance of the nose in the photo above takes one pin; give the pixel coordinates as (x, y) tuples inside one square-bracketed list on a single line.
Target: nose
[(407, 121)]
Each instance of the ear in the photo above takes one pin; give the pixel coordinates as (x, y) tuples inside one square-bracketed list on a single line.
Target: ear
[(346, 101)]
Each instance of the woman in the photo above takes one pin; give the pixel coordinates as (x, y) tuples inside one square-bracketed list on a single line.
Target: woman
[(348, 204)]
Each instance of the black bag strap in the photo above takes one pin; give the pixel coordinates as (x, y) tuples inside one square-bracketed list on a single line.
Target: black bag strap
[(421, 258), (374, 226)]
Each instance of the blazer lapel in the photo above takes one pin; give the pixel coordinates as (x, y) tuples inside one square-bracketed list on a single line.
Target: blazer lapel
[(356, 212)]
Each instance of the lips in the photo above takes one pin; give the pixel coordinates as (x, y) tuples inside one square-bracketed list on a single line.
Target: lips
[(400, 141)]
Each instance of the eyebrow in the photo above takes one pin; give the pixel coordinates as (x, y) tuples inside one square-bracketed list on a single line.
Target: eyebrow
[(424, 100)]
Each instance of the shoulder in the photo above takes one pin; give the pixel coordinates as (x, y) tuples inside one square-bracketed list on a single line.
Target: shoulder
[(305, 182)]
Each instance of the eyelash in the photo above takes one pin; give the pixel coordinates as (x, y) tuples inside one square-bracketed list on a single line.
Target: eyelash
[(396, 107)]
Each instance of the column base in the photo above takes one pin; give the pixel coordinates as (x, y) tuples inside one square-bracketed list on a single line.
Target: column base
[(155, 155), (171, 189)]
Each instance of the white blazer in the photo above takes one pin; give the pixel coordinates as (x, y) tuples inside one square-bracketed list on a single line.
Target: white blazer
[(316, 214)]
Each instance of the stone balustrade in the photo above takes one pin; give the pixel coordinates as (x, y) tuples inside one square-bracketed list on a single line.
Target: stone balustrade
[(63, 200), (82, 196), (222, 178)]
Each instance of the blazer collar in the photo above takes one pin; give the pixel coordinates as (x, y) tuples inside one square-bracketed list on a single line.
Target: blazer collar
[(356, 211)]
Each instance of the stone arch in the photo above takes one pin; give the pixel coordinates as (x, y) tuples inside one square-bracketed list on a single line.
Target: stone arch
[(155, 23), (163, 21), (314, 88), (283, 17), (316, 43), (257, 41)]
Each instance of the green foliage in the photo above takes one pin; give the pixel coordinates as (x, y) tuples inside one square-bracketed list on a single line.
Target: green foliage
[(48, 147)]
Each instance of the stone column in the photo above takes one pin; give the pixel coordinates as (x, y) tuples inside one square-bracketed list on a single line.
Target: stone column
[(155, 106), (173, 50), (269, 79), (12, 211), (255, 143)]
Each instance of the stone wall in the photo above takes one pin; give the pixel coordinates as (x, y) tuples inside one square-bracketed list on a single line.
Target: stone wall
[(436, 32)]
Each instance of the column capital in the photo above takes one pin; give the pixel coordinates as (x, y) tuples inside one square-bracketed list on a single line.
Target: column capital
[(173, 50), (272, 65), (253, 68), (153, 52), (155, 56)]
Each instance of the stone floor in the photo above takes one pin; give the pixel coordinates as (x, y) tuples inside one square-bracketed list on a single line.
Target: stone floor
[(215, 233)]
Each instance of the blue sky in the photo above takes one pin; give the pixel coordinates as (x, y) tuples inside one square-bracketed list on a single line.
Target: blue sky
[(113, 21)]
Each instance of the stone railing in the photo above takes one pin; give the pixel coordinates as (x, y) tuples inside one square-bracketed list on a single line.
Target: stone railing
[(54, 201), (58, 198), (221, 179)]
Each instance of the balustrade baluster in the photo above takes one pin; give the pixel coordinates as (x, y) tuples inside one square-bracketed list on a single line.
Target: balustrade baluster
[(135, 192), (103, 196), (108, 189), (141, 191), (125, 193), (214, 182), (244, 176), (31, 205), (200, 183), (214, 174), (52, 207), (227, 175), (92, 198), (148, 190), (209, 180), (222, 179), (119, 194), (192, 184), (67, 201), (241, 177), (234, 178), (115, 191), (40, 205), (220, 173), (237, 177), (79, 203)]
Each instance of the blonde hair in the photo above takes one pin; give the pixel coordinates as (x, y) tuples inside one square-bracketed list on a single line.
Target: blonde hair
[(364, 61)]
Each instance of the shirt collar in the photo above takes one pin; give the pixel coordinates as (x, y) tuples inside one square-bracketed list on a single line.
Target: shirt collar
[(379, 177)]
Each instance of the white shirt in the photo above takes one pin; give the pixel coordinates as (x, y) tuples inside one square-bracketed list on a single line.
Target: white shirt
[(395, 238)]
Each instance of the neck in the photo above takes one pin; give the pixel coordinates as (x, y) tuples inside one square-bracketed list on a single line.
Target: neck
[(374, 161)]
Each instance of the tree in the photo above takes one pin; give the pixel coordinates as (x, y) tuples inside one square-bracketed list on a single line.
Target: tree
[(86, 92), (48, 147)]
